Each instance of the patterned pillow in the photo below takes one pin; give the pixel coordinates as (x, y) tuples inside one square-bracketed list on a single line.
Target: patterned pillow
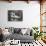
[(17, 30), (11, 30)]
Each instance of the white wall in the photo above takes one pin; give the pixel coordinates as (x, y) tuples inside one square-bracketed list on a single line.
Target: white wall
[(31, 14)]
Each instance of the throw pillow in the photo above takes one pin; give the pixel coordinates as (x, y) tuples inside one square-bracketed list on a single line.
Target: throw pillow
[(17, 30), (23, 31)]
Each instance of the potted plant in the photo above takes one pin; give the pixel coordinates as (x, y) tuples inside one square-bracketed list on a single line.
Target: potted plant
[(37, 33)]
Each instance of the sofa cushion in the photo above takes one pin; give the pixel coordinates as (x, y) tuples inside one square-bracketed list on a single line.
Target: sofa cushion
[(23, 31), (22, 38), (11, 30), (17, 30)]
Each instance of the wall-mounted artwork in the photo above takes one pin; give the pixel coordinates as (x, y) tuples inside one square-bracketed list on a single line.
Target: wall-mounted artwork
[(15, 15)]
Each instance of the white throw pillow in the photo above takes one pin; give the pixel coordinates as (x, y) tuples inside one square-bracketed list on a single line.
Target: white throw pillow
[(23, 31), (28, 31), (5, 32)]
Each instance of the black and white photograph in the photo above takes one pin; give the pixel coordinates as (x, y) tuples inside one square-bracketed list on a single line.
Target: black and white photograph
[(15, 15)]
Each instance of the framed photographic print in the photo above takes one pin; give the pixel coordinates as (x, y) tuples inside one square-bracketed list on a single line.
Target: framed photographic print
[(15, 15)]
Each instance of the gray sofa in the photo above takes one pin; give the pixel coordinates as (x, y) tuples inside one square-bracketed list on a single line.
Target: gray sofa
[(17, 35)]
